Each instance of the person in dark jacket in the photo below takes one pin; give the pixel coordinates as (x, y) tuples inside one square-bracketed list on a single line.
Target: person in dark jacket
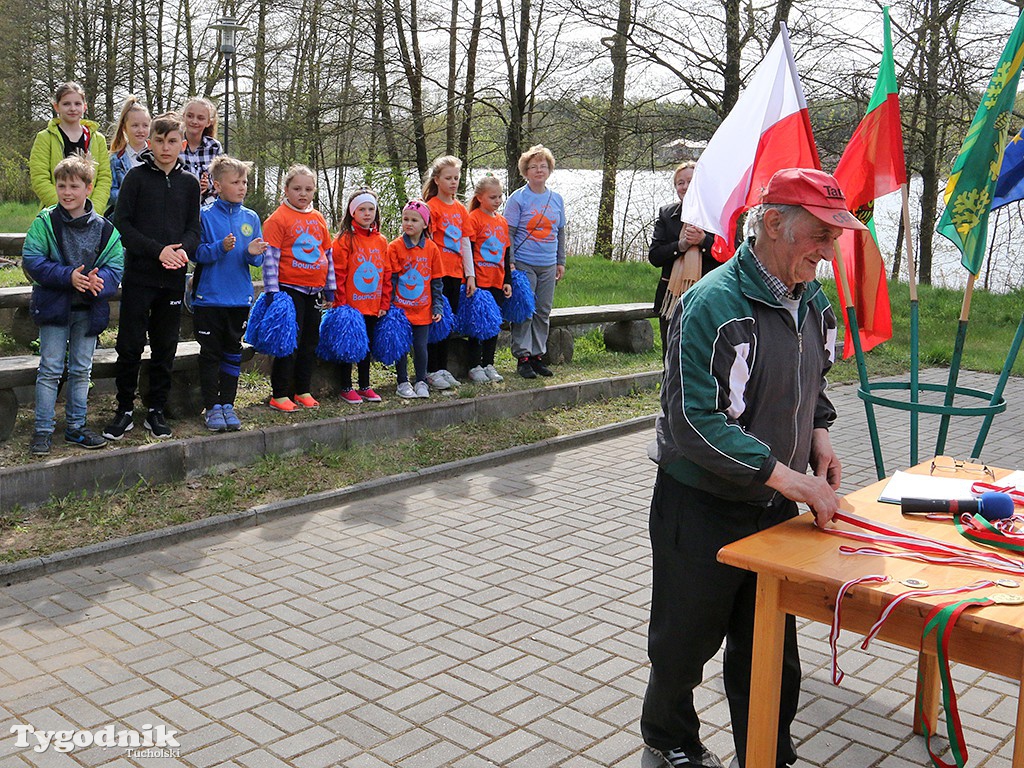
[(744, 413), (157, 215), (671, 240), (74, 258)]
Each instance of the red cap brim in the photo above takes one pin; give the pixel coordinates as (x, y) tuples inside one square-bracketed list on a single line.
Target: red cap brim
[(834, 217)]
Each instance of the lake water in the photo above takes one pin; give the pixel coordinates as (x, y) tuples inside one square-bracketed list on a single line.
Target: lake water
[(641, 193)]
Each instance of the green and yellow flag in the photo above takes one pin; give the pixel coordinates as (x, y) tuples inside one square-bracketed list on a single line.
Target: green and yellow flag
[(972, 183)]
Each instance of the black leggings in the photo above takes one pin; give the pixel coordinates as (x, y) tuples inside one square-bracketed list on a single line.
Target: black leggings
[(293, 375), (480, 352), (437, 354)]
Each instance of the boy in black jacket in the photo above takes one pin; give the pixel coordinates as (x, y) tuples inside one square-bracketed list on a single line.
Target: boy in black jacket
[(157, 215)]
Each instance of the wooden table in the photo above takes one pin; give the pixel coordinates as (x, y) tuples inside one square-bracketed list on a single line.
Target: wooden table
[(800, 571)]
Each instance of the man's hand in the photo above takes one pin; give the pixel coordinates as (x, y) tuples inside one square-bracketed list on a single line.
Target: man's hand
[(824, 461), (173, 256), (559, 272), (812, 490)]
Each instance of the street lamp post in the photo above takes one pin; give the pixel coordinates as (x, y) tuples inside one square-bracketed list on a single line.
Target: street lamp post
[(227, 28)]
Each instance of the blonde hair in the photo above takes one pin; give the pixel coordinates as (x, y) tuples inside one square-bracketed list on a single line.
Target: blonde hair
[(537, 150), (444, 161), (222, 165), (296, 170), (211, 129), (120, 141), (65, 88), (481, 185), (75, 167), (688, 164)]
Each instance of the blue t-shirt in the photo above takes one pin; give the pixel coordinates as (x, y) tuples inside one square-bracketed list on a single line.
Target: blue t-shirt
[(537, 219)]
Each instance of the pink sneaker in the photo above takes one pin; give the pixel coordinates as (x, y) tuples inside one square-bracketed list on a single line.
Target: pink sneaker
[(368, 395), (350, 396)]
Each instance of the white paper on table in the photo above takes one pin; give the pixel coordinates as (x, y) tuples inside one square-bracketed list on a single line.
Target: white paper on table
[(905, 485)]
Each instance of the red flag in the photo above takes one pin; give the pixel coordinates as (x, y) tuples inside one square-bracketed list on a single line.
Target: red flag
[(872, 166), (768, 129)]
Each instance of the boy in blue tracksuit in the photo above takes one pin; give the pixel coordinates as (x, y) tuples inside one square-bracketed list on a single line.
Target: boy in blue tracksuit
[(222, 294), (75, 260)]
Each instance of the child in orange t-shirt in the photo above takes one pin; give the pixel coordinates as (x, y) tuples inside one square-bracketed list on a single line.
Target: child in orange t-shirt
[(492, 262), (447, 228), (362, 272), (298, 264), (416, 266)]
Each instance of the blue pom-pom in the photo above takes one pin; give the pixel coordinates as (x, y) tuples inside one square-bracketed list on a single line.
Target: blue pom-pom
[(478, 316), (392, 338), (278, 333), (252, 327), (343, 336), (443, 328), (520, 306)]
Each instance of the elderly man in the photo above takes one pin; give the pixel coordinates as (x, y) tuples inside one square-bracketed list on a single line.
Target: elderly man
[(744, 413)]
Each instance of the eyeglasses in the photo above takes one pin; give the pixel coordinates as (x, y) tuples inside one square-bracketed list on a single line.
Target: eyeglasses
[(949, 464), (541, 167)]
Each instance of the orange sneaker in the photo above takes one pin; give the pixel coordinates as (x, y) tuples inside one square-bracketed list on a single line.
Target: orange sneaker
[(283, 404), (306, 401)]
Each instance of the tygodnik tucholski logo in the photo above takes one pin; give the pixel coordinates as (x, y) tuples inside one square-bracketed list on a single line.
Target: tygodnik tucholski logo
[(151, 741)]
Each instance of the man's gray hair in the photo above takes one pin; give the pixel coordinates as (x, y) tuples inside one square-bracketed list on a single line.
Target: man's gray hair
[(754, 225)]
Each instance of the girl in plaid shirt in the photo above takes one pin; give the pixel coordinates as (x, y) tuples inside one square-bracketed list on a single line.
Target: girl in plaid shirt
[(201, 146)]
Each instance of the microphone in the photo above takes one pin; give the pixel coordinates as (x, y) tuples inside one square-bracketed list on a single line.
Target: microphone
[(992, 506)]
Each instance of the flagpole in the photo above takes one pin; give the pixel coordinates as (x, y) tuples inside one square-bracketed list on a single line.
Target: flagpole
[(853, 334), (954, 363), (914, 325)]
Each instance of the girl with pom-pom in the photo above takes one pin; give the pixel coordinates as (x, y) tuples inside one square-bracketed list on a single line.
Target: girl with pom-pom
[(492, 262), (362, 273), (297, 267), (416, 265), (447, 228)]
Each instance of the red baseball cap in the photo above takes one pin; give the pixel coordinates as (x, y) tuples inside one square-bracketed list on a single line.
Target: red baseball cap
[(815, 191)]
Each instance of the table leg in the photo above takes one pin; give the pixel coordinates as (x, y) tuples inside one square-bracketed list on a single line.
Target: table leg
[(926, 697), (765, 675)]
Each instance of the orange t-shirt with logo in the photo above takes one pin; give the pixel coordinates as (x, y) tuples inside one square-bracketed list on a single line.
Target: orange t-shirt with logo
[(489, 236), (448, 225), (415, 268), (362, 270), (303, 240)]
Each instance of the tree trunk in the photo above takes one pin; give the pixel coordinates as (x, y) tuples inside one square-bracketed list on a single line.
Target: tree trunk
[(451, 118), (470, 89), (412, 63), (387, 123), (603, 241)]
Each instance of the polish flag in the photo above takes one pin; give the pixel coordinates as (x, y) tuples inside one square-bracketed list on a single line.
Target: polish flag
[(768, 129)]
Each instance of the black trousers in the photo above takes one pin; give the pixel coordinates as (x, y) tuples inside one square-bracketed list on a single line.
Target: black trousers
[(481, 351), (156, 313), (219, 333), (696, 603), (437, 354), (293, 375), (364, 364)]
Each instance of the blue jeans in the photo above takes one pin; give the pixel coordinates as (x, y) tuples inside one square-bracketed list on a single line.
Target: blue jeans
[(57, 343)]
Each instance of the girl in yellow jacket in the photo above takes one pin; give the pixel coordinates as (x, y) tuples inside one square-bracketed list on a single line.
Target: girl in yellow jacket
[(68, 134)]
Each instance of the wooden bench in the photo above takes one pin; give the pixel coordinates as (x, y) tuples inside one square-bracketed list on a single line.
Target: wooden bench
[(19, 371)]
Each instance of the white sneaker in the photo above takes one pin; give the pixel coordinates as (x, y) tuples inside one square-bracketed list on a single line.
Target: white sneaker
[(438, 380), (479, 376), (405, 390), (421, 389), (449, 378), (492, 373)]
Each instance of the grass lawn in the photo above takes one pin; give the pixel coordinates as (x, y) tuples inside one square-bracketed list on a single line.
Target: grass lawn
[(17, 217)]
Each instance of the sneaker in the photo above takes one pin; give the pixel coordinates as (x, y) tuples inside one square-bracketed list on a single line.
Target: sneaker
[(123, 422), (437, 380), (492, 373), (421, 389), (215, 419), (369, 395), (479, 376), (539, 367), (524, 369), (83, 438), (405, 390), (449, 378), (40, 445), (350, 396), (700, 757), (231, 420), (306, 401), (283, 404), (157, 424)]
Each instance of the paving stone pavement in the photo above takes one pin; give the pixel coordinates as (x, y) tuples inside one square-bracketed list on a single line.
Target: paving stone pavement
[(496, 618)]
